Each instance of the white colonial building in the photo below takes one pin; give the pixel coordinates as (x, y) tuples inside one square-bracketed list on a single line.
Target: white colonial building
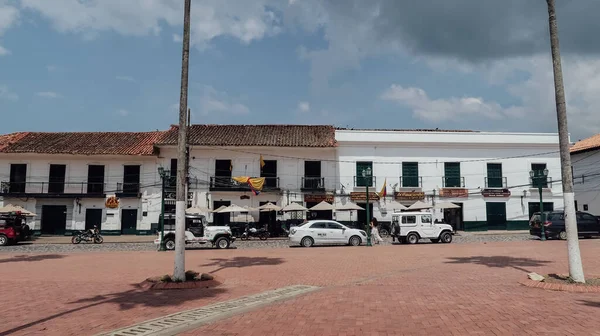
[(585, 157), (73, 181)]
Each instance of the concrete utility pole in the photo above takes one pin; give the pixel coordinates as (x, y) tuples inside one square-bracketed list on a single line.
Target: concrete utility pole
[(575, 265), (181, 200)]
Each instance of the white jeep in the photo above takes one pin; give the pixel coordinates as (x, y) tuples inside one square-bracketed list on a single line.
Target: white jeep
[(420, 225), (197, 231)]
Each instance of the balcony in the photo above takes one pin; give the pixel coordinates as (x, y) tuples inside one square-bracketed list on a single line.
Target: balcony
[(313, 183), (496, 183), (363, 181), (453, 182), (226, 183), (128, 189), (546, 182), (411, 182), (52, 189)]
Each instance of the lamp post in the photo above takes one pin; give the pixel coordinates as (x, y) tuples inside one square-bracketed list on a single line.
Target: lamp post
[(368, 179), (540, 180), (162, 173)]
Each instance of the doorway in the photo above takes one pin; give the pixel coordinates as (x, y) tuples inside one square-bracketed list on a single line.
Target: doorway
[(361, 215), (312, 175), (535, 207), (93, 217), (270, 219), (322, 214), (128, 221), (56, 180), (496, 215), (95, 183), (18, 178), (221, 219), (454, 217), (54, 219)]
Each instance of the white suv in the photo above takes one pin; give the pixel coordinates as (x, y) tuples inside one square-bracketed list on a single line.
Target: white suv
[(325, 232), (420, 225)]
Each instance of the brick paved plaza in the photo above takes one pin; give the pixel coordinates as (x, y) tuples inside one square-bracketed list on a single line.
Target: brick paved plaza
[(386, 290)]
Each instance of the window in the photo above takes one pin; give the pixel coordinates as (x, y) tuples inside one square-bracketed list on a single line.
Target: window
[(269, 172), (18, 178), (538, 175), (426, 219), (585, 207), (588, 217), (452, 177), (56, 178), (410, 174), (364, 167), (131, 179), (95, 183), (334, 226), (319, 225), (494, 175), (409, 219), (576, 207)]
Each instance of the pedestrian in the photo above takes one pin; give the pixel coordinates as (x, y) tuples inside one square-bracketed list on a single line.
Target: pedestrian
[(395, 230), (375, 231)]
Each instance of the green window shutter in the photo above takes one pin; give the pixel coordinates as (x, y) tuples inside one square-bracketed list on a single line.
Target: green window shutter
[(538, 170), (410, 174), (494, 175), (452, 174), (360, 166)]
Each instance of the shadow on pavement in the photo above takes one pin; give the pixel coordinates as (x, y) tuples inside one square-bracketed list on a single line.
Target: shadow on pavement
[(520, 264), (126, 300), (21, 258), (239, 262), (594, 304)]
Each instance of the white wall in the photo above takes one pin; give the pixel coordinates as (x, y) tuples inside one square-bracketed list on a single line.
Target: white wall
[(587, 181)]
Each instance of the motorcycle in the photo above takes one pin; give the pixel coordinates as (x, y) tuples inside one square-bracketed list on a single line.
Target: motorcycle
[(87, 236), (261, 233)]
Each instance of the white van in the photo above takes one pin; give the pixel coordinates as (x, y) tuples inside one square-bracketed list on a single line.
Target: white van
[(420, 225)]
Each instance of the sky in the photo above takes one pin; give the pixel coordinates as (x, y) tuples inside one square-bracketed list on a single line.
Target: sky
[(115, 65)]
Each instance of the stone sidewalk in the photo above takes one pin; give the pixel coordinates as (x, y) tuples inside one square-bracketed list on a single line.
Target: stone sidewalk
[(385, 290)]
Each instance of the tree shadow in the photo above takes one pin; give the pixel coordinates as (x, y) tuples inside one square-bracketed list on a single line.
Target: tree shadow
[(520, 264), (239, 262), (588, 303), (130, 299), (38, 257)]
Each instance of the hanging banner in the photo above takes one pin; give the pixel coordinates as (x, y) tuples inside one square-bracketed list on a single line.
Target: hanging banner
[(454, 192), (495, 193), (410, 196), (362, 196), (318, 198), (255, 183)]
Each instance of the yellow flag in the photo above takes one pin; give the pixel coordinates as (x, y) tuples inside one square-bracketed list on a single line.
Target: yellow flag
[(262, 162), (383, 191)]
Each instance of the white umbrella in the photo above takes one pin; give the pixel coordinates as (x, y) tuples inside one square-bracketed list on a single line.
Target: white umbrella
[(323, 206), (269, 207), (196, 210), (294, 207), (233, 208), (219, 209), (349, 206), (419, 206), (249, 208), (446, 205), (15, 208), (395, 206)]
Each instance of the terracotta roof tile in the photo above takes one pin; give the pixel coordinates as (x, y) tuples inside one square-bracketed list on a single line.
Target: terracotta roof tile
[(590, 143), (406, 130), (82, 143), (256, 135)]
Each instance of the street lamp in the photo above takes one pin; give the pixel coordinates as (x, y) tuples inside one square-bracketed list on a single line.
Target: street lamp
[(539, 180), (162, 173), (368, 180)]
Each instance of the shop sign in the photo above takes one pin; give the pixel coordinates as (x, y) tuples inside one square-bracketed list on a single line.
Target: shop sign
[(318, 198), (410, 195), (454, 192), (112, 202), (495, 193), (362, 196)]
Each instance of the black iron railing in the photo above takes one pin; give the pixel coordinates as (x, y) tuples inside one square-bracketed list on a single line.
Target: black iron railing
[(364, 181), (52, 188), (313, 183), (411, 181), (453, 182), (496, 182)]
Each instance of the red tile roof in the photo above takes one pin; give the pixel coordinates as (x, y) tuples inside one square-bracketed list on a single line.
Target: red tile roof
[(81, 143), (256, 135), (590, 143), (407, 130)]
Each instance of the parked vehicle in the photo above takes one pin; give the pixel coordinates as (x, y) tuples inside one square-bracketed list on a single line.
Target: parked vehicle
[(13, 229), (588, 225), (419, 225), (88, 236), (325, 232), (251, 232), (197, 231)]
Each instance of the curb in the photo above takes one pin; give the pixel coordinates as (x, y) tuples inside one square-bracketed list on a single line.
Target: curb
[(560, 287)]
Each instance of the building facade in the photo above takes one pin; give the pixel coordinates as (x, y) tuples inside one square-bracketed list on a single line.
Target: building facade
[(585, 156), (73, 181)]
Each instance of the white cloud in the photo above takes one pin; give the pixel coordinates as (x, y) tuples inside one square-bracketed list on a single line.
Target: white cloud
[(4, 51), (303, 107), (48, 94), (6, 94), (9, 16), (177, 38), (125, 78), (213, 101), (123, 112), (51, 68), (436, 110)]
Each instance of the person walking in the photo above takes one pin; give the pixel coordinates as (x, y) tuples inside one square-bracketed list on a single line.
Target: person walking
[(375, 231)]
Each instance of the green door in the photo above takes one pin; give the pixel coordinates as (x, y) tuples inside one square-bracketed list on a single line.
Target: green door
[(496, 215), (452, 175), (410, 175), (494, 175)]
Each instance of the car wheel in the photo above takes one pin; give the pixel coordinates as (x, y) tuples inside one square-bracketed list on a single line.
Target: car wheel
[(384, 233), (3, 240), (307, 242), (562, 235), (222, 243), (170, 244), (355, 241), (435, 240), (412, 238), (76, 240), (446, 238)]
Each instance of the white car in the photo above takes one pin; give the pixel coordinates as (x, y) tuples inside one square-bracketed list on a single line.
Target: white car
[(325, 232), (420, 225)]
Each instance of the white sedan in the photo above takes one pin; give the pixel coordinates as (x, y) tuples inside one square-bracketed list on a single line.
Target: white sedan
[(325, 232)]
